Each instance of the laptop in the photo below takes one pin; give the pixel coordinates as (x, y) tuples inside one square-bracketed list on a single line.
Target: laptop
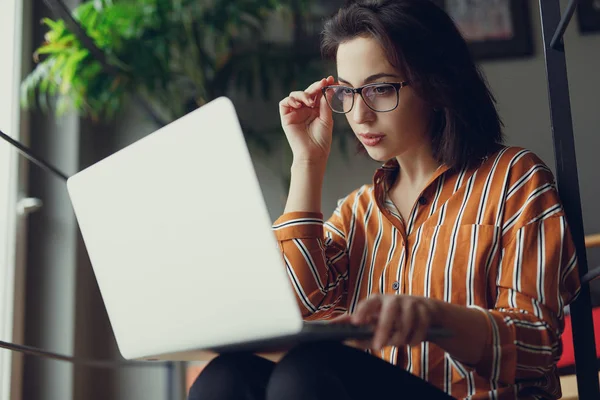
[(180, 241)]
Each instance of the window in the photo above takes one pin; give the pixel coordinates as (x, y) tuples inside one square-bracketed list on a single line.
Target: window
[(11, 19)]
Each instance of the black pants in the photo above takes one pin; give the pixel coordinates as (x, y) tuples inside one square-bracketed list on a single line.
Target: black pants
[(320, 371)]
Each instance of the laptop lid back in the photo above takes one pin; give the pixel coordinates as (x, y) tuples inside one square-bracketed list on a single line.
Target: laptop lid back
[(180, 239)]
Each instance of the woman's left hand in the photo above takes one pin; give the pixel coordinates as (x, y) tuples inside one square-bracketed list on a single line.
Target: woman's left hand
[(399, 320)]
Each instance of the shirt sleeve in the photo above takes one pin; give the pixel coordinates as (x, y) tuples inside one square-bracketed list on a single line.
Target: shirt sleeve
[(536, 278), (316, 258)]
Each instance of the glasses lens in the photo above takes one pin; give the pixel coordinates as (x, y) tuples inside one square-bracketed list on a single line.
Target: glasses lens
[(339, 98), (383, 97)]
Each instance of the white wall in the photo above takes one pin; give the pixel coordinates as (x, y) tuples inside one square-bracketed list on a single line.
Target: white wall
[(11, 26)]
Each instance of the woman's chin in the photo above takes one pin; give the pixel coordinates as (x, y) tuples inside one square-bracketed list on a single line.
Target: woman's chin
[(379, 155)]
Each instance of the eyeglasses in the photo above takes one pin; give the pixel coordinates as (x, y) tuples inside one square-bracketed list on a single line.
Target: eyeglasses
[(379, 97)]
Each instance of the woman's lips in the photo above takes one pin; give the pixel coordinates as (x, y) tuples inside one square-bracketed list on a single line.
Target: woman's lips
[(371, 139)]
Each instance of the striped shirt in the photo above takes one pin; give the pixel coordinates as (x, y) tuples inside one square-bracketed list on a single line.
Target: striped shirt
[(493, 238)]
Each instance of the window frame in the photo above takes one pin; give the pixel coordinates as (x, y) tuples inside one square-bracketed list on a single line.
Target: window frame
[(12, 183)]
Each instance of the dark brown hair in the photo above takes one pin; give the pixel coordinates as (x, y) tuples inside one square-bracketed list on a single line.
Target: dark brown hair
[(421, 40)]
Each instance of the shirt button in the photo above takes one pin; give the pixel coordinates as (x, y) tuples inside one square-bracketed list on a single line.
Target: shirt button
[(422, 200), (396, 285)]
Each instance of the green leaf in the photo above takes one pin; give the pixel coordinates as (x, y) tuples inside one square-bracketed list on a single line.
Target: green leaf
[(69, 70), (57, 28), (32, 81), (173, 52)]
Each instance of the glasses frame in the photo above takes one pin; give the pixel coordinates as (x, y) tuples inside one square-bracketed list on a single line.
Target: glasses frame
[(359, 90)]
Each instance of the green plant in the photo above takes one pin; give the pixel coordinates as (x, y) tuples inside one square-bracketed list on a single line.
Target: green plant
[(171, 56)]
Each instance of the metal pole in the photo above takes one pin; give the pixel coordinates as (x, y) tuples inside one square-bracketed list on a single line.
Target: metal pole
[(568, 187), (26, 151), (557, 39)]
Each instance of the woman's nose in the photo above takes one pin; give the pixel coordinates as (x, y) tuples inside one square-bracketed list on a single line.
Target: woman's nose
[(361, 112)]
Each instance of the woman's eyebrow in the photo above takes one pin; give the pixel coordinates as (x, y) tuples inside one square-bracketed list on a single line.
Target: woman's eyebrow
[(372, 77)]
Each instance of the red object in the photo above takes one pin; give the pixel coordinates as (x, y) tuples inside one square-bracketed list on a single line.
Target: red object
[(568, 356)]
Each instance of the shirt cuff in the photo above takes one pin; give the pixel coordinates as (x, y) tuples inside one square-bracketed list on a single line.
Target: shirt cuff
[(499, 357), (298, 225)]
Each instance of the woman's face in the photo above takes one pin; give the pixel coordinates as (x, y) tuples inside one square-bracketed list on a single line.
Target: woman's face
[(385, 135)]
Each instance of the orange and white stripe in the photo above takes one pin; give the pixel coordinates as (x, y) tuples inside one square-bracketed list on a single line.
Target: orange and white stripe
[(493, 238)]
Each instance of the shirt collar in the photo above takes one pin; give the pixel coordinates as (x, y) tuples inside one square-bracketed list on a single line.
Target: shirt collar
[(386, 174)]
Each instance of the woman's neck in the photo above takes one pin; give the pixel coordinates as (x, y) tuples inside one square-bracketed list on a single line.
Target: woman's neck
[(417, 165)]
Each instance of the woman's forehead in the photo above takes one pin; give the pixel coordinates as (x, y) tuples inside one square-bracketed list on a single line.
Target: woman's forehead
[(360, 59)]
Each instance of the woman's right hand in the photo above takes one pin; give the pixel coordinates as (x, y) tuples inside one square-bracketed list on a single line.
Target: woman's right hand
[(307, 122)]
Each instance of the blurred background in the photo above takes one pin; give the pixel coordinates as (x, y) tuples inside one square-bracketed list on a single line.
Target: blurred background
[(79, 86)]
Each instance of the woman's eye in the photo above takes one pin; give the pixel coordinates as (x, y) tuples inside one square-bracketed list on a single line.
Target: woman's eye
[(382, 89), (347, 92)]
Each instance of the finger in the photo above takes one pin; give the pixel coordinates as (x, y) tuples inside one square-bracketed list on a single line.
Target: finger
[(385, 326), (325, 112), (366, 310), (295, 103), (286, 105), (315, 90), (407, 325), (302, 98), (284, 108), (420, 325), (316, 86), (330, 80), (371, 319), (342, 319), (397, 339), (403, 328)]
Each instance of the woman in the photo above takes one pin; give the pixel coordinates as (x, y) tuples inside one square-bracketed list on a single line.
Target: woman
[(456, 232)]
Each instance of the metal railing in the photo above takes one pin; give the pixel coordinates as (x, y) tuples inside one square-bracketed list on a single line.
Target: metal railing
[(553, 29)]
